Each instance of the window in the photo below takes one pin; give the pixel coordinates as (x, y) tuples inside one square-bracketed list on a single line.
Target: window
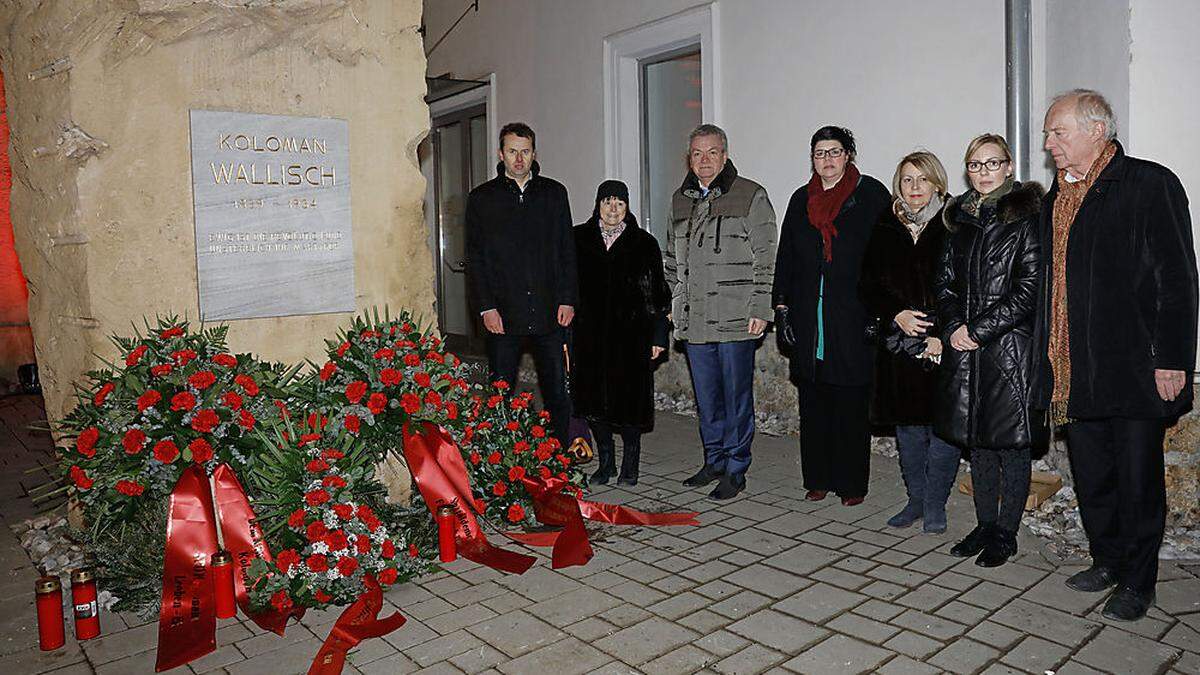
[(671, 108)]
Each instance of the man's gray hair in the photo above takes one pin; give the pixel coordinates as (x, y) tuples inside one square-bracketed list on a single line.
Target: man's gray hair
[(1091, 106), (709, 130)]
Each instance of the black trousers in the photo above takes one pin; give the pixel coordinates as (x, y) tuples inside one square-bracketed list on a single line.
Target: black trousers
[(1118, 468), (1000, 485), (504, 356), (835, 438)]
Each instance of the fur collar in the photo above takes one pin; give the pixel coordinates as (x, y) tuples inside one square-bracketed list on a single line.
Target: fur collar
[(1024, 201)]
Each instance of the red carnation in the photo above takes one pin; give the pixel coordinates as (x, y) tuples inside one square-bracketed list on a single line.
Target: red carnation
[(332, 454), (499, 488), (205, 420), (133, 441), (232, 400), (81, 479), (281, 601), (422, 379), (355, 391), (387, 549), (182, 357), (166, 451), (333, 482), (346, 565), (148, 400), (343, 511), (512, 426), (435, 356), (516, 513), (342, 349), (516, 473), (173, 331), (520, 446), (545, 472), (365, 513), (564, 460), (107, 389), (246, 419), (384, 353), (452, 410), (128, 487), (377, 403), (135, 355), (201, 450), (500, 384), (362, 544), (475, 458), (390, 377), (352, 423), (86, 443), (538, 431), (296, 520), (287, 558), (412, 360), (411, 403), (159, 371), (306, 439), (202, 379), (317, 563), (316, 497), (317, 465), (327, 370), (247, 384), (412, 551), (494, 458), (494, 401), (321, 596), (337, 540), (434, 399), (316, 531), (388, 576), (183, 401), (226, 360)]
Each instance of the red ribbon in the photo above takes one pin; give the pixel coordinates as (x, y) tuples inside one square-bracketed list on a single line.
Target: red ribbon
[(358, 622), (187, 621), (437, 465)]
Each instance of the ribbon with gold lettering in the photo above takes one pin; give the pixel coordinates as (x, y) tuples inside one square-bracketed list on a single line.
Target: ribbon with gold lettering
[(357, 623), (187, 620), (437, 466)]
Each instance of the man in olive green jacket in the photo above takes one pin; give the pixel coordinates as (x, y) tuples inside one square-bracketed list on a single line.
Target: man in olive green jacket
[(720, 261)]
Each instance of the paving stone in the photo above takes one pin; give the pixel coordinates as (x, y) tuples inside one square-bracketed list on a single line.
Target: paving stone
[(837, 528), (1148, 626), (841, 578), (590, 629), (994, 634), (927, 597), (1012, 574), (613, 668), (119, 645), (926, 624), (713, 569), (752, 659), (138, 663), (540, 583), (912, 644), (824, 539), (863, 628), (598, 581), (989, 595), (741, 604), (703, 621), (961, 612), (264, 642), (778, 631), (706, 552), (769, 581), (646, 640), (679, 605), (370, 650), (741, 558), (1188, 663), (899, 576), (648, 554), (573, 606), (506, 603), (675, 564), (954, 580), (225, 655), (681, 661), (903, 665), (444, 586), (640, 571), (895, 558), (1123, 652), (34, 660), (839, 654), (478, 659), (854, 564), (721, 642), (932, 563), (759, 541), (428, 609), (963, 656), (878, 610), (884, 590), (717, 590), (637, 594), (295, 659), (790, 524), (1036, 655), (1178, 597), (1051, 624), (706, 533), (862, 549), (1001, 669), (1053, 592), (448, 646), (753, 511), (819, 602), (672, 584), (459, 618), (1184, 637), (921, 544), (515, 633), (564, 657)]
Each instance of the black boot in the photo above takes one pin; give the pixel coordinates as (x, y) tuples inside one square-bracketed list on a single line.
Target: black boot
[(607, 455), (631, 456), (707, 474), (1000, 546), (974, 542)]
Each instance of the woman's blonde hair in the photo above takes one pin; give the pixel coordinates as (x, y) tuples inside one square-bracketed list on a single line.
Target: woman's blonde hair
[(928, 164), (982, 140)]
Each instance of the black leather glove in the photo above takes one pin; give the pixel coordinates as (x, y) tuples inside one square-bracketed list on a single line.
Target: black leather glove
[(783, 325)]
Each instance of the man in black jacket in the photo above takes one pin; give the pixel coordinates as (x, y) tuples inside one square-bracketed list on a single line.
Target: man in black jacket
[(1115, 342), (521, 257)]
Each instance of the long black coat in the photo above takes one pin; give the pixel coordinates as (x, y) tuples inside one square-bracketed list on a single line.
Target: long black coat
[(1131, 294), (898, 274), (622, 312), (988, 280), (520, 251)]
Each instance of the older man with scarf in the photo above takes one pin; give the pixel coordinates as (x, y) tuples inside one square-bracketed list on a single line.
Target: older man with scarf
[(1116, 339), (821, 318)]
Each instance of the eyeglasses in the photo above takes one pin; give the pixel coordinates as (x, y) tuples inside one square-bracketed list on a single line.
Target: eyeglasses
[(991, 164), (833, 153)]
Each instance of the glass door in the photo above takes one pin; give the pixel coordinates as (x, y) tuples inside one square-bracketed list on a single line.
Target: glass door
[(460, 162), (671, 94)]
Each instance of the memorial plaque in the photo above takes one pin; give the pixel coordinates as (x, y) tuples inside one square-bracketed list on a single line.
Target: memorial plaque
[(271, 195)]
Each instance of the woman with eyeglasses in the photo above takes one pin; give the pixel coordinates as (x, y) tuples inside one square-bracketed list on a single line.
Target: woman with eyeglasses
[(986, 288), (820, 318)]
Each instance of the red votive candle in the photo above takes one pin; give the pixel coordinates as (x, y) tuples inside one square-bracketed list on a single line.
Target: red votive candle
[(445, 521), (83, 597), (50, 613), (222, 567)]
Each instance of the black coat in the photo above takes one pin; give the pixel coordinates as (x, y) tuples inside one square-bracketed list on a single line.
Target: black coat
[(1131, 294), (520, 251), (799, 266), (898, 274), (988, 280), (622, 312)]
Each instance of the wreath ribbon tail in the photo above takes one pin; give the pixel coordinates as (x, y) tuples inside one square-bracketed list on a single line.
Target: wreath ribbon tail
[(358, 622), (187, 620)]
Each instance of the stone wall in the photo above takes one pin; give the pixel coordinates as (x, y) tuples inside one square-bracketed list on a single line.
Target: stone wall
[(99, 94)]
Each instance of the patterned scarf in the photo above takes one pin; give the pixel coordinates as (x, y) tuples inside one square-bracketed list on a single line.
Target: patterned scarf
[(610, 234), (1066, 207), (823, 205), (916, 221)]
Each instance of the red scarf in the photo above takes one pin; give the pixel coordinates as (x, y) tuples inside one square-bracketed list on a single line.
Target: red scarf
[(823, 205)]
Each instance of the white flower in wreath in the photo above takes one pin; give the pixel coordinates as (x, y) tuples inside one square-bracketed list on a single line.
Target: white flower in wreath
[(320, 547)]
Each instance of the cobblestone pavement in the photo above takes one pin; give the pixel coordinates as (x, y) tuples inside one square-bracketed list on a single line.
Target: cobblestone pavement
[(768, 583)]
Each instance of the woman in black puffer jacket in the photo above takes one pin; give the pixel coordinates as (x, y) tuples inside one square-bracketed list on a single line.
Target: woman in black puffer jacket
[(986, 292)]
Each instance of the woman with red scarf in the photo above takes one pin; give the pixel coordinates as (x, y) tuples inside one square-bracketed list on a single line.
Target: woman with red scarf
[(821, 320)]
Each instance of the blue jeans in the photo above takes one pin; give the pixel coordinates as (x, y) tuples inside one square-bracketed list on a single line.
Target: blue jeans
[(929, 466), (723, 379)]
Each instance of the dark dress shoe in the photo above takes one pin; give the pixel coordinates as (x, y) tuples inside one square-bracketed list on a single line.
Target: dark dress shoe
[(1093, 580), (815, 495), (998, 548), (973, 543), (851, 501), (707, 474), (1128, 604), (728, 488)]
